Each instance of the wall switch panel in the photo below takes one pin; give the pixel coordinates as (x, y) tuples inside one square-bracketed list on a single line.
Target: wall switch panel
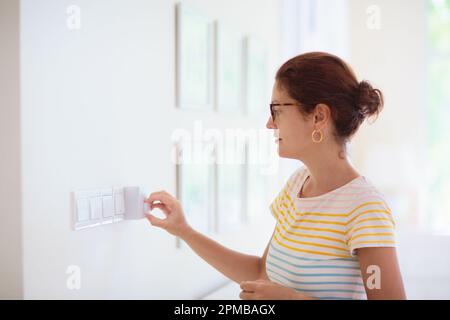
[(83, 209), (109, 205), (119, 201), (96, 206), (135, 207)]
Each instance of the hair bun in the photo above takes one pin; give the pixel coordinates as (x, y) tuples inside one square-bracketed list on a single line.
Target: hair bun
[(369, 100)]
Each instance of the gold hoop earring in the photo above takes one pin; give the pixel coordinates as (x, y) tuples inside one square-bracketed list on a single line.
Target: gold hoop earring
[(321, 136)]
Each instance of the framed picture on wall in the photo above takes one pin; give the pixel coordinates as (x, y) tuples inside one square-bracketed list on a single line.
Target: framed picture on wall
[(194, 59), (229, 69), (231, 188), (257, 87), (195, 181), (257, 195)]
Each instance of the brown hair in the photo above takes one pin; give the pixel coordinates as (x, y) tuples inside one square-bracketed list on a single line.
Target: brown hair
[(318, 77)]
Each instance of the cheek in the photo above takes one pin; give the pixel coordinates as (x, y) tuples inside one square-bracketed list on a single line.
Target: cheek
[(296, 131)]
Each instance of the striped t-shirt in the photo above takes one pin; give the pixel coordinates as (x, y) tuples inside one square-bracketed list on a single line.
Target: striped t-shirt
[(313, 247)]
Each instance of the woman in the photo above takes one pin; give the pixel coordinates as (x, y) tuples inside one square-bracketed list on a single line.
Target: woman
[(334, 237)]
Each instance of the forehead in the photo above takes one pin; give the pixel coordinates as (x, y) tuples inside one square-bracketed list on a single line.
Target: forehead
[(280, 94)]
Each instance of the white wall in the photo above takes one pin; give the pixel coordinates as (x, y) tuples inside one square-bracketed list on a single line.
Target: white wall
[(98, 110), (10, 182), (315, 25)]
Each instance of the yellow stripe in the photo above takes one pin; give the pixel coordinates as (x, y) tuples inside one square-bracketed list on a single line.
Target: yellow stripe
[(334, 239), (344, 215), (331, 214), (310, 228), (324, 222), (309, 251), (305, 235), (311, 236), (371, 234), (279, 208), (282, 201), (337, 223), (284, 218), (371, 219), (364, 204), (286, 195), (290, 200), (368, 211), (338, 214), (369, 242), (280, 211), (319, 229), (288, 211), (286, 201), (370, 227), (312, 221), (277, 213), (311, 243), (347, 223)]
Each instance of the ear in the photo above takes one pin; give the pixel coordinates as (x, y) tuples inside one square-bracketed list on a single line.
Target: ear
[(322, 114)]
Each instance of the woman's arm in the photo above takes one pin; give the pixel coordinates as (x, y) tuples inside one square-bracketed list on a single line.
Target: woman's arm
[(232, 264), (381, 273), (235, 265)]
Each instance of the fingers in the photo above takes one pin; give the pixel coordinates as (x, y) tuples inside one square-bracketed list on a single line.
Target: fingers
[(248, 286), (251, 290), (162, 196), (154, 221), (247, 295), (160, 206)]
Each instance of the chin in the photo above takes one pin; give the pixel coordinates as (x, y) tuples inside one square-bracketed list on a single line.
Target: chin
[(286, 155), (282, 154)]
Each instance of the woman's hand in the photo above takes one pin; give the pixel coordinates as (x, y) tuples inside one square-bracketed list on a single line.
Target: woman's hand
[(175, 221), (267, 290)]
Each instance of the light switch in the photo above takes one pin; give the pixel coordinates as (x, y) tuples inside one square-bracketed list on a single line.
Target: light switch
[(83, 213), (106, 192), (119, 201), (108, 206), (134, 203), (96, 207)]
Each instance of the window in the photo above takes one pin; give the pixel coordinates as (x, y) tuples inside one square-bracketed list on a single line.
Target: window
[(438, 112)]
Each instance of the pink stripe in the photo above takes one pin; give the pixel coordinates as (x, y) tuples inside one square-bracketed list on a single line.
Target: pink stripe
[(345, 208), (299, 204), (332, 193), (342, 194)]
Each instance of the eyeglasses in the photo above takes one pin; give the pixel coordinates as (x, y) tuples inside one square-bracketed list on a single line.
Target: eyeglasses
[(272, 111)]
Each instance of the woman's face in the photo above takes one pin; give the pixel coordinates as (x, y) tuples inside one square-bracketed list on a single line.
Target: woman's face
[(293, 130)]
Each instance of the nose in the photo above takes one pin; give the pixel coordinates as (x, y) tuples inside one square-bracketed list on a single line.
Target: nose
[(270, 124)]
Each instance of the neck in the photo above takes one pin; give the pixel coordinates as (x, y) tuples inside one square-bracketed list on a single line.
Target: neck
[(329, 171)]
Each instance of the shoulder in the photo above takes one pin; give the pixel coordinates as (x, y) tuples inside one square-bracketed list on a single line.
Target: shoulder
[(300, 171), (369, 206), (370, 223), (288, 187), (367, 195)]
